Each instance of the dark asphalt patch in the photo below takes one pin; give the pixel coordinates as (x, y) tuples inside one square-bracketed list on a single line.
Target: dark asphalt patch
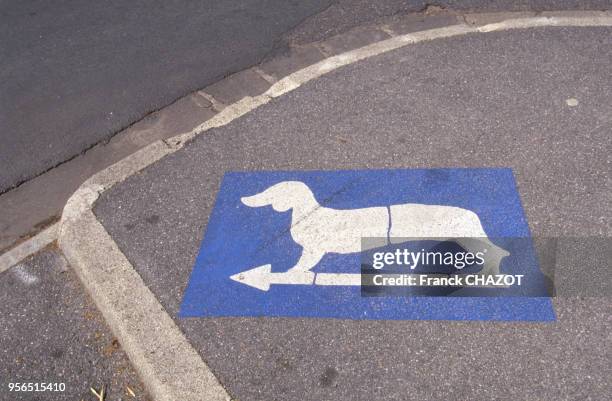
[(498, 99)]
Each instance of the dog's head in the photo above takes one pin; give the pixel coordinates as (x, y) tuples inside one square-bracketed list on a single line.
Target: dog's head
[(282, 196)]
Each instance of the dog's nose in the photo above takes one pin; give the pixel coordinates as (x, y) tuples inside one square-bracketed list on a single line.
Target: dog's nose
[(250, 201)]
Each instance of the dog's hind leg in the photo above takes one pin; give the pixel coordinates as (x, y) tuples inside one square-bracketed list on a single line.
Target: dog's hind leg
[(308, 260)]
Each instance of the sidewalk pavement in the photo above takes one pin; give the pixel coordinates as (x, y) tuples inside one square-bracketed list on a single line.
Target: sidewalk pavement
[(534, 100)]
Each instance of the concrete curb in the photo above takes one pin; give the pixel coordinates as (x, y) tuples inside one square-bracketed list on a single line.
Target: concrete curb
[(171, 369), (29, 247)]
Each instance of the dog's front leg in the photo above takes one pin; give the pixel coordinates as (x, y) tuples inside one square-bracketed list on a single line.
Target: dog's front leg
[(308, 260)]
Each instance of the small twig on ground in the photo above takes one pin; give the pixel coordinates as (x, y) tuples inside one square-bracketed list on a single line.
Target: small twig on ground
[(100, 395), (130, 391)]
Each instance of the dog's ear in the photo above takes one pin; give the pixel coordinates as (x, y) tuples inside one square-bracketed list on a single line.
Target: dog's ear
[(282, 204)]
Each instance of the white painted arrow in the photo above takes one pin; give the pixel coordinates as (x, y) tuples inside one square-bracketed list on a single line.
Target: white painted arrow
[(262, 278)]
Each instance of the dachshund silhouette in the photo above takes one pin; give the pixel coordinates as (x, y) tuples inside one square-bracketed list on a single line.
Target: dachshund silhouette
[(320, 230)]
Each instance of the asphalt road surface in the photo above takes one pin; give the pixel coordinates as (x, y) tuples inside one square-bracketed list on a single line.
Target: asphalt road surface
[(534, 100), (73, 73), (51, 332)]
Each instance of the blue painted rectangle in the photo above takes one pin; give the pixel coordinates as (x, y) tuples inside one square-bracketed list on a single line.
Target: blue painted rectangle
[(239, 238)]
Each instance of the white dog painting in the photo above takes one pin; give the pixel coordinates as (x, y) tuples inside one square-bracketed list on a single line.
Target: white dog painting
[(320, 230)]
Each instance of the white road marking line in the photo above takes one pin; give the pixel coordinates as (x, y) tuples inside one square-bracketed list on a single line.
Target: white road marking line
[(29, 247)]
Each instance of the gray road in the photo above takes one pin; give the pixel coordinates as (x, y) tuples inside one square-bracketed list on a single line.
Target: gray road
[(73, 73), (501, 100), (51, 332)]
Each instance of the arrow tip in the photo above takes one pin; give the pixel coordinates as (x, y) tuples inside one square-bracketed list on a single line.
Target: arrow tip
[(258, 277)]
